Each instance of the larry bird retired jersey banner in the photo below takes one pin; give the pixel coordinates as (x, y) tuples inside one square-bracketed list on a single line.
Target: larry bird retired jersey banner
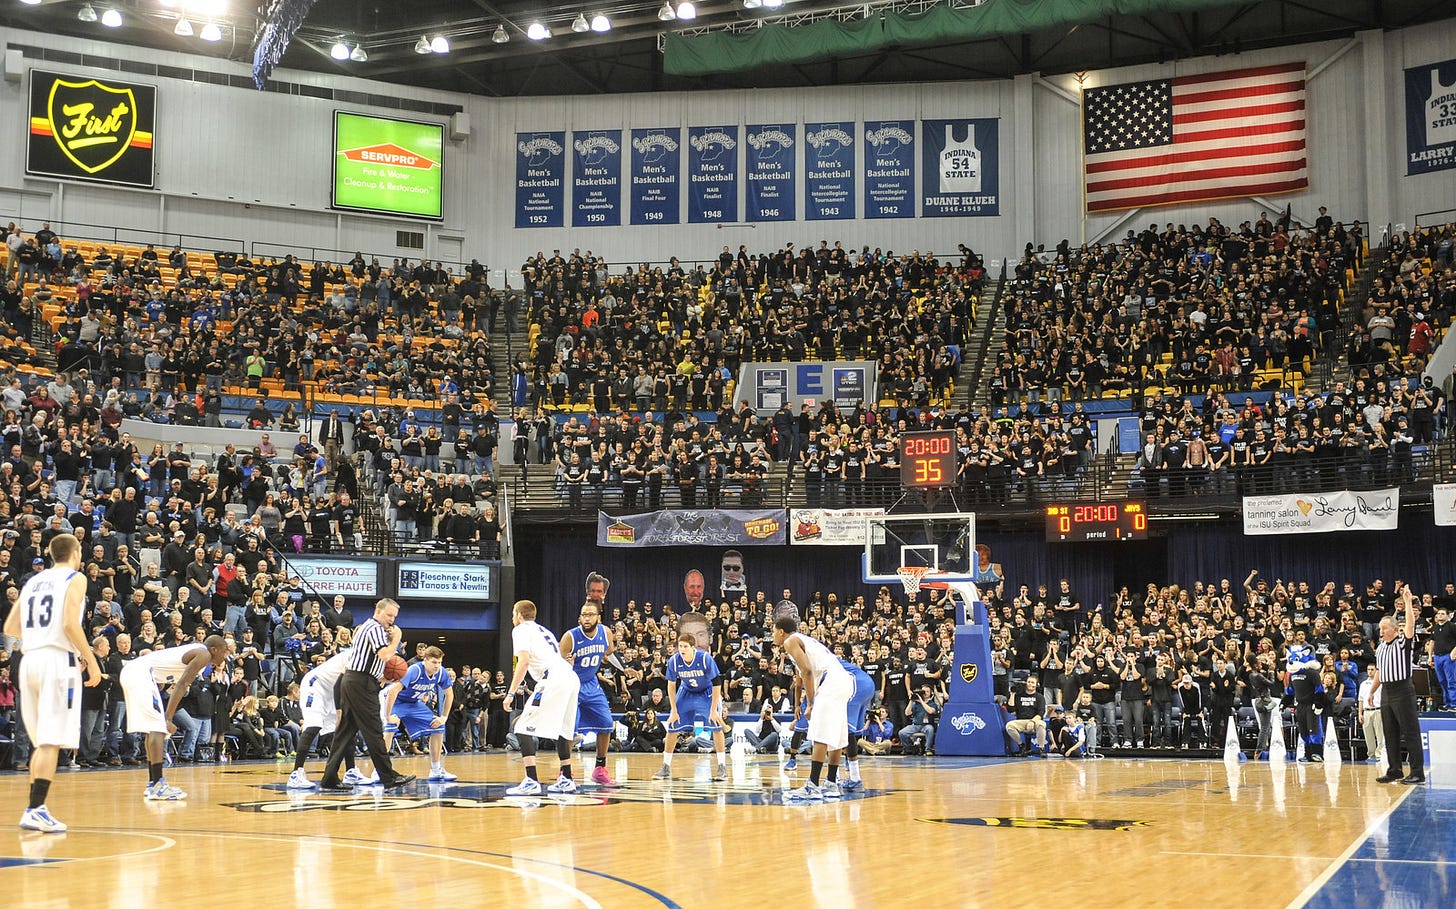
[(91, 129), (1430, 117)]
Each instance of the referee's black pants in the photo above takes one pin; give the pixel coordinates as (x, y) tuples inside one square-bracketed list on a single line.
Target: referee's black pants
[(359, 705), (1402, 726)]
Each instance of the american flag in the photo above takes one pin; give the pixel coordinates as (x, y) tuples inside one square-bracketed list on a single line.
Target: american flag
[(1191, 138)]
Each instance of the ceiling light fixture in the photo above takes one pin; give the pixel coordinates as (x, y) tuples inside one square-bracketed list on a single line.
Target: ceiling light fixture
[(111, 18), (183, 29), (500, 36), (601, 23), (422, 46), (579, 24), (666, 14), (358, 54), (86, 14), (210, 32), (31, 2), (773, 4), (752, 4), (440, 44), (340, 50), (686, 11), (537, 32)]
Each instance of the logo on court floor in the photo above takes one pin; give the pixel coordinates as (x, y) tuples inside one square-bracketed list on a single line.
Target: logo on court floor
[(969, 671), (476, 796), (1039, 823)]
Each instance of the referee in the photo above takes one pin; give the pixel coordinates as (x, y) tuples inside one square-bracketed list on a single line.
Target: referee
[(375, 641), (1394, 658)]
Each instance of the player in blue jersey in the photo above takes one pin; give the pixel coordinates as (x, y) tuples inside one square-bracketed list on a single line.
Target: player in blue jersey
[(418, 705), (859, 704), (585, 647), (694, 697)]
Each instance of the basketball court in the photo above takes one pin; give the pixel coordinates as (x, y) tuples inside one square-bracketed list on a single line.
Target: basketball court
[(926, 831)]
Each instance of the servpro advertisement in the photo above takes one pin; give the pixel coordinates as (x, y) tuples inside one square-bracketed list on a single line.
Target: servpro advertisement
[(90, 129), (390, 166)]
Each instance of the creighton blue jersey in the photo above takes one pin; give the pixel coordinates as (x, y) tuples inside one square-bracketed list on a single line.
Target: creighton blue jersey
[(587, 654), (692, 676), (423, 689)]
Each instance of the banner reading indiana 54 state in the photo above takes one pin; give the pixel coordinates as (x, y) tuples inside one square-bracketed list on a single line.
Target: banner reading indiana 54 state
[(962, 168)]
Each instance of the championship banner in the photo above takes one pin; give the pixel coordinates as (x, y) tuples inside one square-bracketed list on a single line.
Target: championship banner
[(91, 129), (474, 581), (962, 178), (1443, 504), (1377, 509), (596, 178), (829, 171), (540, 179), (889, 171), (830, 526), (656, 176), (327, 577), (771, 178), (1430, 117), (712, 174), (708, 527)]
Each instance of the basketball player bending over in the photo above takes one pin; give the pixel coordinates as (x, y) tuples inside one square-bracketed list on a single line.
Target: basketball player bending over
[(316, 697), (418, 705), (177, 666), (828, 689), (550, 710)]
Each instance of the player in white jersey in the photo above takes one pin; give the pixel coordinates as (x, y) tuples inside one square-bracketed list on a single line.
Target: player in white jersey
[(47, 619), (827, 690), (550, 711), (321, 717), (175, 666)]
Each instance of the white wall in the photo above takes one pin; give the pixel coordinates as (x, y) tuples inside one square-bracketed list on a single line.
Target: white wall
[(255, 165)]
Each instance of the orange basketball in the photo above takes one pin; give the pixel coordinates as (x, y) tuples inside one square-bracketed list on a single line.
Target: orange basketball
[(395, 669)]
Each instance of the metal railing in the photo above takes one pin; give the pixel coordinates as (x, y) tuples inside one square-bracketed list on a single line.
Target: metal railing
[(540, 497), (135, 236)]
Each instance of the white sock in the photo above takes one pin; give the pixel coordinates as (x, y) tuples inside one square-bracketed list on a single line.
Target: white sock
[(722, 759), (854, 770), (667, 759)]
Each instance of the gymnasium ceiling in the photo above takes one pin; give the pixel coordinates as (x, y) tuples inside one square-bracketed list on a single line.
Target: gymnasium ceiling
[(629, 57)]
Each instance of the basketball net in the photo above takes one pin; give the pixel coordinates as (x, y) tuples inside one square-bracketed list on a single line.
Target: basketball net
[(911, 576)]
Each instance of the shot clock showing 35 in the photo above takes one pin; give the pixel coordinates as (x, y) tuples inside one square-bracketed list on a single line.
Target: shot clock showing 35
[(928, 459)]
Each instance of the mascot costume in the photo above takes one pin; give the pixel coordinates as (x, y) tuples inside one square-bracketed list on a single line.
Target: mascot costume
[(1302, 678)]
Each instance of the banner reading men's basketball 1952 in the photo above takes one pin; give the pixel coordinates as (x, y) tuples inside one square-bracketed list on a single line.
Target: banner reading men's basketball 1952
[(540, 179), (962, 173), (889, 169), (91, 129), (1430, 117), (656, 175), (596, 178)]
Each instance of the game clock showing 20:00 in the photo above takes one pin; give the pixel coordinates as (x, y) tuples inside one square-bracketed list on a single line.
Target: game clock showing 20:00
[(928, 459), (1075, 522)]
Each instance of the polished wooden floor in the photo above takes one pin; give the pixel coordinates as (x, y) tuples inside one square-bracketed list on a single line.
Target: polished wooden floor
[(937, 832)]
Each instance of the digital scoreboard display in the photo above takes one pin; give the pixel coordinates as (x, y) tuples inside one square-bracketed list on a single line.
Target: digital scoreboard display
[(928, 459), (1077, 522)]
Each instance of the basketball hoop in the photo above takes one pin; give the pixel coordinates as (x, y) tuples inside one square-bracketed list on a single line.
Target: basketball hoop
[(911, 576)]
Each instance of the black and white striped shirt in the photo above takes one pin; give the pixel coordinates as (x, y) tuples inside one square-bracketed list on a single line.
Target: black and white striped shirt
[(368, 638), (1394, 659)]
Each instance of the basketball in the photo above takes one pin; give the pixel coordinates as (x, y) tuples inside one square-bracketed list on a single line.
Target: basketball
[(395, 669)]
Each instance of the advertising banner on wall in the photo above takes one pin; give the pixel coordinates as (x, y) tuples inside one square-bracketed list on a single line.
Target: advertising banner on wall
[(771, 173), (91, 129), (1430, 117), (712, 174), (1443, 504), (1377, 509), (830, 526), (474, 581), (596, 178), (962, 177), (708, 527), (656, 176), (767, 386), (350, 577), (828, 171), (540, 179), (387, 165), (889, 169)]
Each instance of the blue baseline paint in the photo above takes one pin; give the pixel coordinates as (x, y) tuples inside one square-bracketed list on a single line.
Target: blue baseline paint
[(1402, 862), (12, 861)]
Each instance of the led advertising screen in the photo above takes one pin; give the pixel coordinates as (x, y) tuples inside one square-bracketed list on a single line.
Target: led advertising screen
[(91, 129), (390, 166)]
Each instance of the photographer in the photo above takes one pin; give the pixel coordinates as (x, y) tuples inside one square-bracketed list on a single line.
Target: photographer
[(879, 735), (918, 736), (1266, 690), (645, 731), (765, 737)]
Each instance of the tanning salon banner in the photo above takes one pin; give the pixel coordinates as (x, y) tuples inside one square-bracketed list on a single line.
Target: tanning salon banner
[(91, 129), (1430, 117)]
